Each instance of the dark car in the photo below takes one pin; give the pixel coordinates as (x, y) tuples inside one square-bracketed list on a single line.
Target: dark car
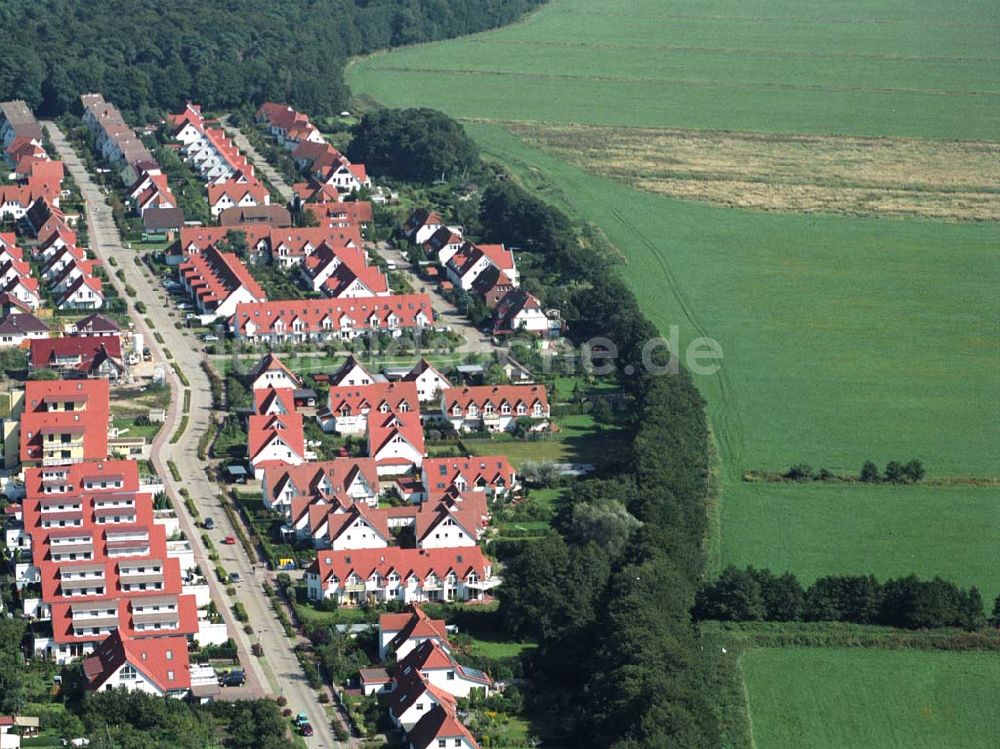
[(234, 679), (209, 524), (306, 729)]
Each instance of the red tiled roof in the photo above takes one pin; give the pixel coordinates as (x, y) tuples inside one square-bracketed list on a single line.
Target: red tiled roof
[(92, 419), (264, 429), (309, 478), (418, 562), (496, 394), (216, 275), (92, 350), (373, 396), (439, 723), (236, 192), (156, 658), (357, 312)]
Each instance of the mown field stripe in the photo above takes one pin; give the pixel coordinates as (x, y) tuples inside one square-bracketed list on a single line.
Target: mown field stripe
[(738, 85), (734, 51), (779, 19)]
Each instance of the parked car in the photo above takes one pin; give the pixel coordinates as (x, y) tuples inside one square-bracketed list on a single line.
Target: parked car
[(234, 577), (306, 729), (234, 678), (229, 540), (301, 719), (210, 338), (209, 524), (184, 305)]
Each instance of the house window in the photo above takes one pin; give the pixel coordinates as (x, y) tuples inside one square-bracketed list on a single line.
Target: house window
[(451, 676), (128, 672), (505, 408)]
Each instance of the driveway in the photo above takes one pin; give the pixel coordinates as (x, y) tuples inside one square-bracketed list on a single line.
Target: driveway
[(259, 162), (278, 672)]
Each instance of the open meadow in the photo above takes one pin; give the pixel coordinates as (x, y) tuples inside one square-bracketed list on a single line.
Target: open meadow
[(865, 335), (836, 698)]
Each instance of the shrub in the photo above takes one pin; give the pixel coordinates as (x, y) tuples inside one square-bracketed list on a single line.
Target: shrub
[(129, 291), (140, 307)]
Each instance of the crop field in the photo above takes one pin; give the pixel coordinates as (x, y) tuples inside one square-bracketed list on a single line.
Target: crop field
[(816, 530), (863, 67), (714, 143), (828, 697)]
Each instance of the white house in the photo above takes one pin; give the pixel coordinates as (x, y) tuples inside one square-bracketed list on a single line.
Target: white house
[(270, 372), (414, 697), (494, 407), (154, 665), (429, 381), (434, 661)]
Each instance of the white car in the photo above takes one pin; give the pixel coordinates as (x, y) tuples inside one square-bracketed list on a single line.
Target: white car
[(184, 305), (209, 338)]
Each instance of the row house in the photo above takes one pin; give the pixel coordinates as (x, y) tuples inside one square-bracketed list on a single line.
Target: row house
[(86, 292), (494, 408), (218, 282), (235, 194), (79, 356), (194, 240), (16, 280), (64, 421), (440, 727), (103, 561), (342, 273), (348, 406), (292, 247), (398, 574), (471, 260), (15, 200), (323, 320), (96, 325), (329, 213), (209, 150), (343, 480), (114, 140), (492, 475), (289, 127), (396, 441), (56, 257), (17, 120), (151, 191), (274, 440)]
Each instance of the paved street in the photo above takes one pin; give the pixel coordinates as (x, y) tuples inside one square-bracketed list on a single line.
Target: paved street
[(259, 162), (278, 672), (444, 311)]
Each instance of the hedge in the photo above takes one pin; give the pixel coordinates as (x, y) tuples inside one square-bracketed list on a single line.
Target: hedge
[(173, 470), (240, 612), (176, 436), (180, 374)]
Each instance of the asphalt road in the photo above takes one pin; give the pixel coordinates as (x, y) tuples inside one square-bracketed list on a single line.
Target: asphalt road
[(278, 672)]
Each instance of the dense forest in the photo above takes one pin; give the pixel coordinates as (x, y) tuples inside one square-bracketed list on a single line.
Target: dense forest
[(148, 56)]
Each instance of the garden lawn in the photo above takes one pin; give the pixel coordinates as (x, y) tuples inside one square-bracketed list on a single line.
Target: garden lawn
[(816, 529), (836, 698), (579, 440)]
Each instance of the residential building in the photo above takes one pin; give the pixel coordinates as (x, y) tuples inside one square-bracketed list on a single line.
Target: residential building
[(435, 662), (79, 356), (348, 406), (520, 311), (157, 666), (218, 282), (469, 262), (323, 320), (271, 372), (495, 408), (352, 479), (274, 440), (492, 474), (428, 380), (18, 327), (64, 421), (400, 633), (224, 195), (397, 574), (439, 728), (413, 697)]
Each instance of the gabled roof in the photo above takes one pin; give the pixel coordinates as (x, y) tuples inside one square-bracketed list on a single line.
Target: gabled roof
[(413, 624), (270, 362), (349, 365), (424, 366), (266, 400), (21, 323), (418, 562), (92, 351), (264, 429), (155, 657), (96, 323), (359, 511), (411, 688), (439, 724), (496, 394), (309, 479)]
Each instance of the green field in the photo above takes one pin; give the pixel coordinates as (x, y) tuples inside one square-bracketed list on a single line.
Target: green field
[(862, 67), (816, 530), (844, 338), (839, 698)]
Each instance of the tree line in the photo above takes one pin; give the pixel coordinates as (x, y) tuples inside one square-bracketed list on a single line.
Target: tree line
[(149, 56), (907, 602)]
